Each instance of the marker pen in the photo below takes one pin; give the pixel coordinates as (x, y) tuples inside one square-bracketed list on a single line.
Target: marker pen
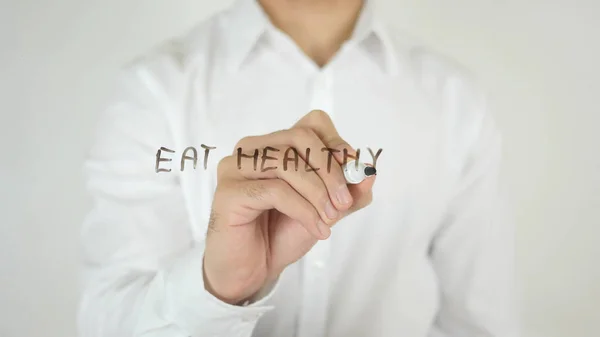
[(354, 174)]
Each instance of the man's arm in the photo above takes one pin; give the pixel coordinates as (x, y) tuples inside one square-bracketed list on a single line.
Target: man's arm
[(473, 253), (142, 269)]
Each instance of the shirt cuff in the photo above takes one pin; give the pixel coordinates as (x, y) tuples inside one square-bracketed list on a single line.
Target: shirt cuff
[(199, 312)]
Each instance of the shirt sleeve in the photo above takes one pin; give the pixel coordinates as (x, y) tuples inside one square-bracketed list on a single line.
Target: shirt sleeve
[(142, 269), (473, 252)]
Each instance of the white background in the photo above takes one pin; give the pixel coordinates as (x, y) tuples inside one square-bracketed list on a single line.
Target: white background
[(538, 59)]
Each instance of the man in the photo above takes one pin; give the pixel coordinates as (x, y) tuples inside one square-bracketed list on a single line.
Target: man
[(189, 237)]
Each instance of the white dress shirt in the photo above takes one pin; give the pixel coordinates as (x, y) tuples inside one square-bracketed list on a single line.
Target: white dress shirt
[(431, 256)]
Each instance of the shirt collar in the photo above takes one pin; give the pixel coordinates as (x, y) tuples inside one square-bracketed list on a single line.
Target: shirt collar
[(247, 22)]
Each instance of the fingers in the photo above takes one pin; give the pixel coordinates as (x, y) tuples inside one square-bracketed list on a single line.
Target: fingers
[(266, 194), (322, 125), (320, 122), (365, 190), (325, 163), (305, 183), (309, 147), (296, 171)]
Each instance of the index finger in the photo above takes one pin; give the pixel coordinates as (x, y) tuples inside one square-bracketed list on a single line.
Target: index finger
[(320, 122)]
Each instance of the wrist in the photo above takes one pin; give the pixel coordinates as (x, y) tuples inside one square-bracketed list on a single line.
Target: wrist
[(233, 293)]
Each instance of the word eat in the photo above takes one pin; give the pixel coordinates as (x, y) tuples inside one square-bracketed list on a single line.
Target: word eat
[(290, 155)]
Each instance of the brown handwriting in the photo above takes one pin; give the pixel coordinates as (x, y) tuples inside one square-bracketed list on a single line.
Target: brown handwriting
[(286, 159)]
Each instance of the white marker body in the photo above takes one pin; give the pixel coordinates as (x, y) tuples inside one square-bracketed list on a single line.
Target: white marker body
[(354, 174)]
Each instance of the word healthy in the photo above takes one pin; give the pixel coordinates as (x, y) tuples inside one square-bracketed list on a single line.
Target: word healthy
[(290, 155)]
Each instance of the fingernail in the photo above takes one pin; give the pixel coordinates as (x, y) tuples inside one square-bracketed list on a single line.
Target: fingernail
[(343, 195), (324, 229), (330, 210)]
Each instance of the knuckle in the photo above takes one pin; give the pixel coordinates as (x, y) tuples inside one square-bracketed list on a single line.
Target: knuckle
[(277, 188), (226, 186), (338, 143), (318, 114), (281, 188), (323, 197), (313, 218), (316, 187), (255, 190), (302, 132), (310, 214), (243, 141), (338, 180)]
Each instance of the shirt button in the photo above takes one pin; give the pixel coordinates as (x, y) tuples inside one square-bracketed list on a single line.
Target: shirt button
[(319, 264)]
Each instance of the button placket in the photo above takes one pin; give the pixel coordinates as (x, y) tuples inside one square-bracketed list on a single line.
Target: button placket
[(315, 291), (313, 316), (321, 92)]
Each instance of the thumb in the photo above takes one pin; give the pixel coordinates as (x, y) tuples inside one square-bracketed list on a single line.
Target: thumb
[(362, 193)]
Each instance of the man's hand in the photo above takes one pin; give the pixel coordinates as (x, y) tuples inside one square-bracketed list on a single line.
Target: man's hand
[(262, 222)]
